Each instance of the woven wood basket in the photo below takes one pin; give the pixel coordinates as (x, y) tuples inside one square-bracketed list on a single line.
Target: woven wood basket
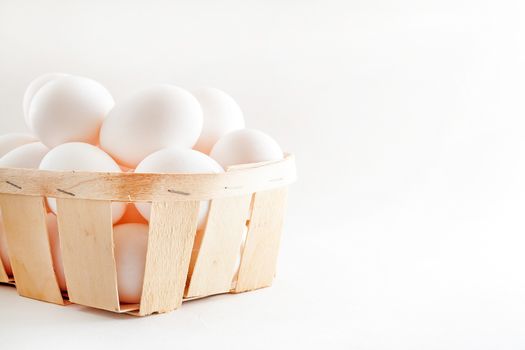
[(181, 264)]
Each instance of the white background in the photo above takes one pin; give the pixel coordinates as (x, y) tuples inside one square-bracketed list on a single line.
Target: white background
[(405, 229)]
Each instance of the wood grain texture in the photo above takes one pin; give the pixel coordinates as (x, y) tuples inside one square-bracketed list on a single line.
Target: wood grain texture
[(24, 220), (4, 278), (219, 249), (86, 239), (259, 258), (148, 187), (170, 241), (3, 275)]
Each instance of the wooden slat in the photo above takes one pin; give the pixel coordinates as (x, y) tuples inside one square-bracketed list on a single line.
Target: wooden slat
[(3, 275), (127, 187), (4, 278), (86, 240), (170, 241), (220, 247), (30, 254), (259, 258)]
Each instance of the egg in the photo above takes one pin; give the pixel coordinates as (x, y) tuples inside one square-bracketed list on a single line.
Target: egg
[(9, 142), (81, 157), (131, 245), (178, 160), (132, 215), (69, 109), (245, 146), (4, 251), (157, 117), (221, 114), (56, 253), (26, 156), (31, 90)]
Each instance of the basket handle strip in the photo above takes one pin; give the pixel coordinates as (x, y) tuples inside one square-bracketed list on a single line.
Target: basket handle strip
[(219, 248), (259, 257), (171, 235), (26, 232), (86, 240), (128, 187)]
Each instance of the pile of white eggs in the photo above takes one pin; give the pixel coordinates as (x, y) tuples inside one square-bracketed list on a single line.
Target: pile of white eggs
[(76, 125)]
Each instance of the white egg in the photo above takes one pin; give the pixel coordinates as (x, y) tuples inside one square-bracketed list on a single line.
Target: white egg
[(31, 90), (4, 251), (26, 156), (221, 114), (132, 216), (158, 117), (69, 109), (9, 142), (56, 253), (81, 157), (131, 245), (245, 146), (178, 160)]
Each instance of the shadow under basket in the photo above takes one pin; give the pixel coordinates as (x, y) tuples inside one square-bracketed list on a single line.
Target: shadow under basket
[(181, 263)]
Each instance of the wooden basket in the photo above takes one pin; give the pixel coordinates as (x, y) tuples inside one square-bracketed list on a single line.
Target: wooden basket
[(180, 264)]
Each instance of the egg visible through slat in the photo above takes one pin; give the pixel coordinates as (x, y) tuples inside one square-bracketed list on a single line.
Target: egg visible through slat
[(131, 243)]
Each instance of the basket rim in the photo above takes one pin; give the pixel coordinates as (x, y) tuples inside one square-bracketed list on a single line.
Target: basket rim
[(131, 187)]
